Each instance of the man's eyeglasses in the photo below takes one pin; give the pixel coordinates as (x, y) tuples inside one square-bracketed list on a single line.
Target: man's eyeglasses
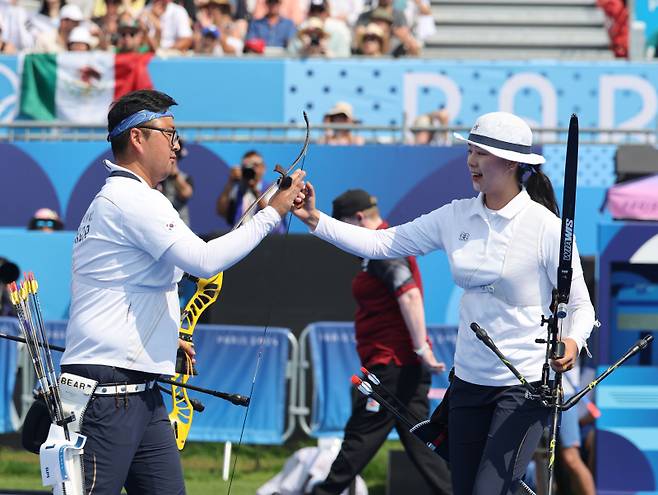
[(170, 134)]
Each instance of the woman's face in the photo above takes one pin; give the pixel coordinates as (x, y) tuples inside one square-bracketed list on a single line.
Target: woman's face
[(490, 174)]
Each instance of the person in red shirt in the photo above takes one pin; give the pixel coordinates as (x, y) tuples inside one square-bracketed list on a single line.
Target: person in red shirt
[(392, 343)]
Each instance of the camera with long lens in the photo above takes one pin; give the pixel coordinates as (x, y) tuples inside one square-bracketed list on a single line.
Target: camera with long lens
[(248, 173)]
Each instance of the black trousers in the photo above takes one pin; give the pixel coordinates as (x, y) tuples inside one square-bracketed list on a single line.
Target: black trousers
[(130, 441), (366, 431), (493, 432)]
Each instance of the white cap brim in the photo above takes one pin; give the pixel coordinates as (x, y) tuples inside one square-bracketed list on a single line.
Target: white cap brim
[(515, 156)]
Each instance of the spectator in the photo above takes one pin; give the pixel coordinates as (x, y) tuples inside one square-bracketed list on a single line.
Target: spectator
[(274, 30), (178, 187), (215, 17), (168, 25), (290, 9), (47, 18), (108, 24), (576, 472), (244, 185), (347, 11), (132, 7), (80, 40), (431, 135), (5, 46), (45, 220), (394, 21), (70, 16), (312, 39), (340, 38), (132, 37), (15, 24), (373, 41), (419, 17), (341, 113), (207, 41)]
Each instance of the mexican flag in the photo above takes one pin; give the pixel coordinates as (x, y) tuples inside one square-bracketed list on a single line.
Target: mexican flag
[(78, 86)]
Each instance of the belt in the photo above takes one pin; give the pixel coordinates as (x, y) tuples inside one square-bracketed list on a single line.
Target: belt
[(123, 388)]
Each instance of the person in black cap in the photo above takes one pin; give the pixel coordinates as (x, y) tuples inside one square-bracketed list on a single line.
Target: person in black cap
[(391, 340), (503, 247)]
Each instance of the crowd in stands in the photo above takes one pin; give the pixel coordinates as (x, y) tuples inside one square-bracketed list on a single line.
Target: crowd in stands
[(305, 28)]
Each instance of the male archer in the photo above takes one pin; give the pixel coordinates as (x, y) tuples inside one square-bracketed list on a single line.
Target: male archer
[(130, 251)]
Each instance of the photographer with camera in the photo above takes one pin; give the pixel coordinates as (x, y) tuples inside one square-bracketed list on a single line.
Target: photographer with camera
[(244, 185)]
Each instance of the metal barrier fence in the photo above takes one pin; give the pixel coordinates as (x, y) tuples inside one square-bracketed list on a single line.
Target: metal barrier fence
[(200, 132)]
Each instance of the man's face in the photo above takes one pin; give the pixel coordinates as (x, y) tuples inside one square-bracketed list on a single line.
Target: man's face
[(159, 148), (79, 47), (129, 39), (255, 163), (273, 7), (340, 118)]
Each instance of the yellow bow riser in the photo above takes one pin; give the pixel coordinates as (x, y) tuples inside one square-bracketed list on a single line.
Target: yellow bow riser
[(182, 412)]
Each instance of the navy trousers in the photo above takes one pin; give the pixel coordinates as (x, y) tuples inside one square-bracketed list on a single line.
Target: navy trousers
[(130, 441), (493, 432)]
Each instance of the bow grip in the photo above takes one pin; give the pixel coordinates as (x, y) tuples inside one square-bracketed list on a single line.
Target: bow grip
[(285, 181)]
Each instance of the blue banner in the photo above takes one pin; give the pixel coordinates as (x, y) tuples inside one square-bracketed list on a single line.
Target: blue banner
[(334, 360), (226, 361), (605, 94)]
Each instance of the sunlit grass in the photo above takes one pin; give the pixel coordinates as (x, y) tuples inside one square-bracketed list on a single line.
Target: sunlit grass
[(202, 464)]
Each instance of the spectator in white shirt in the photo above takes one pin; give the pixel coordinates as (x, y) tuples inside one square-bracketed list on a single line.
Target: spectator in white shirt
[(169, 25), (14, 25), (70, 17), (503, 247)]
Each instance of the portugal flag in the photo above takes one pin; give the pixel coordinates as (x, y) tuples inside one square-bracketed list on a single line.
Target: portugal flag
[(79, 86)]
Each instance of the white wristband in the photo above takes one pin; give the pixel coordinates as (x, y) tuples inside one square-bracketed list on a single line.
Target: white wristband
[(420, 351)]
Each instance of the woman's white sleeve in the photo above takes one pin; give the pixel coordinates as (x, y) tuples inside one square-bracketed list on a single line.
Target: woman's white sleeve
[(205, 259), (418, 237)]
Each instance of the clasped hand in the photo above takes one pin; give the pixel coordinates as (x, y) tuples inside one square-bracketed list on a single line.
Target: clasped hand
[(284, 199)]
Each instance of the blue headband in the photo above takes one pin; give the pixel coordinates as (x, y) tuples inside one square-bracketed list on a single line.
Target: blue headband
[(134, 120)]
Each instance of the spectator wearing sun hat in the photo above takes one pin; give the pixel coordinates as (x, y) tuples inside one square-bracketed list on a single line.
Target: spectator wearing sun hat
[(373, 41), (339, 36), (393, 20), (341, 113), (80, 40)]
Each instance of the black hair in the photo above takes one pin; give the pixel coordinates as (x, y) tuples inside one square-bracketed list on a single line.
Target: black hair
[(251, 153), (44, 7), (144, 99), (539, 186)]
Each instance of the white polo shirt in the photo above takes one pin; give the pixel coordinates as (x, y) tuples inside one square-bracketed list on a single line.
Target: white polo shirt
[(506, 262), (124, 299)]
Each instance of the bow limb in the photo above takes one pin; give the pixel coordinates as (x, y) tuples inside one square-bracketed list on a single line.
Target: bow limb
[(182, 412), (280, 183), (280, 180)]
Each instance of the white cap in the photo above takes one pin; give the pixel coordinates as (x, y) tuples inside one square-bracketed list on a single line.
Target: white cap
[(80, 34), (72, 12), (505, 135)]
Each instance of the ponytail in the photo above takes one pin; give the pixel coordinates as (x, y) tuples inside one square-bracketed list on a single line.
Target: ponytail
[(538, 185)]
